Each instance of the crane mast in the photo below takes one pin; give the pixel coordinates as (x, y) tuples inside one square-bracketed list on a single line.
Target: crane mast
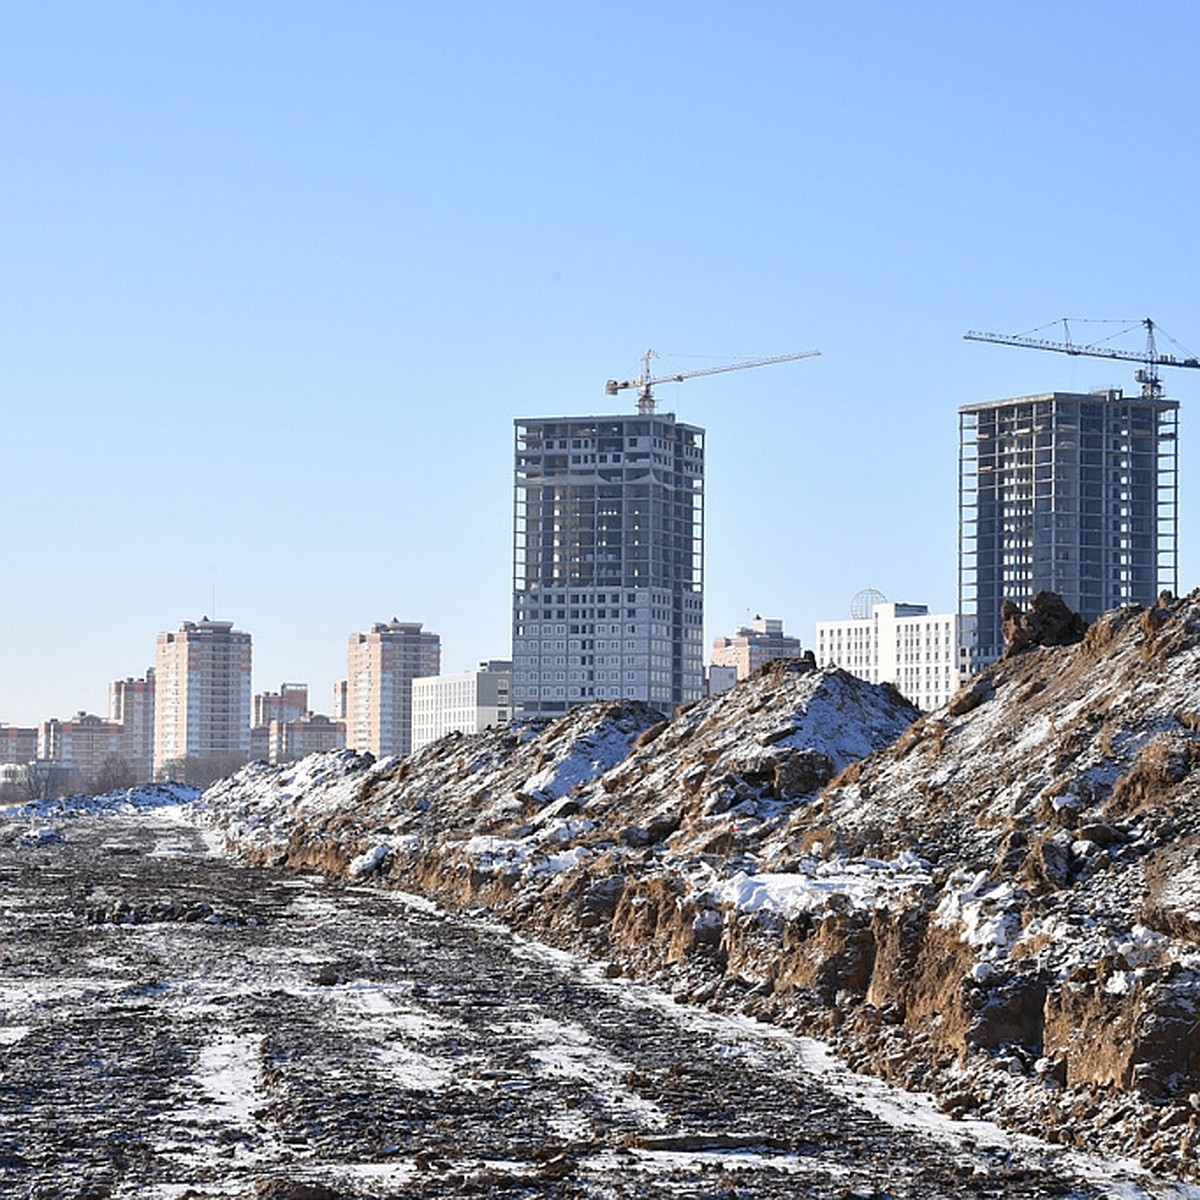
[(645, 381), (1149, 357)]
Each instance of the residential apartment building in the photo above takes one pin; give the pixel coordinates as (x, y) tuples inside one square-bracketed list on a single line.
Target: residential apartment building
[(380, 668), (281, 741), (131, 705), (18, 743), (608, 561), (903, 644), (285, 729), (1069, 493), (754, 644), (290, 703), (467, 702), (80, 746), (202, 694)]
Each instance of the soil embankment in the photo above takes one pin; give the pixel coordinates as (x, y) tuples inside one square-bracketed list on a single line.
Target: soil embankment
[(998, 901)]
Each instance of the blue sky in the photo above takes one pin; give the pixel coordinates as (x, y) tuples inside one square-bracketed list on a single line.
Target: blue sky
[(279, 276)]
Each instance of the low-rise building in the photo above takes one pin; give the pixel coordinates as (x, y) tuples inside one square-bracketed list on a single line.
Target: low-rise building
[(86, 745), (468, 702), (754, 644)]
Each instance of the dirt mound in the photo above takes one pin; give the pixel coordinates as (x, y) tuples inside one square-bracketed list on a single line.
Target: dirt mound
[(997, 901)]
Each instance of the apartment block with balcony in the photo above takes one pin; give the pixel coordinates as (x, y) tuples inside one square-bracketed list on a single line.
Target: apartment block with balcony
[(18, 743), (80, 746), (131, 705)]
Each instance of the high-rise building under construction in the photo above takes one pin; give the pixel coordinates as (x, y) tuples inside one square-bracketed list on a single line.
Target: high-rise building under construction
[(1064, 492), (608, 561)]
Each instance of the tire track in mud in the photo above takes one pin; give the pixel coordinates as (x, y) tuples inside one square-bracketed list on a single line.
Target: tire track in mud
[(177, 1025)]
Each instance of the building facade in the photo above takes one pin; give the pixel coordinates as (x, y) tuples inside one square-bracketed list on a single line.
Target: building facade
[(18, 743), (904, 644), (341, 697), (467, 702), (290, 703), (608, 561), (202, 694), (754, 644), (380, 668), (131, 704), (282, 741), (80, 746), (1064, 492)]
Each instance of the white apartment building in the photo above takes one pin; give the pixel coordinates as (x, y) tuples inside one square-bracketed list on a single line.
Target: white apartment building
[(202, 694), (608, 561), (380, 668), (468, 702), (905, 644)]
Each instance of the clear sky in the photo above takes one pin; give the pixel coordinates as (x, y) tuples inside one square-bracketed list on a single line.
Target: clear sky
[(277, 277)]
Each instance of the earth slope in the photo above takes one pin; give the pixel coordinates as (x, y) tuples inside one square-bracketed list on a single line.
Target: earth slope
[(998, 902)]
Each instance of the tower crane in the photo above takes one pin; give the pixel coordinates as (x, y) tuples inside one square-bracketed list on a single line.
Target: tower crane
[(1150, 358), (644, 382)]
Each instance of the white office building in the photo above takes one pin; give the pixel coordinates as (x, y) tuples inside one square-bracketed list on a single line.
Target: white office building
[(904, 644), (468, 702), (608, 561)]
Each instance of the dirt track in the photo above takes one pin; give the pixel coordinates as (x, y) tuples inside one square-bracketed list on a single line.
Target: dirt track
[(174, 1024)]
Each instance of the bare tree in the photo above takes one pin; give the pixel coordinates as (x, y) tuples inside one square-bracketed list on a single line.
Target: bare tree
[(202, 770), (44, 779), (113, 774)]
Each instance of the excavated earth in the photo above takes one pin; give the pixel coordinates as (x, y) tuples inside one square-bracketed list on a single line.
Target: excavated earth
[(178, 1025), (997, 902)]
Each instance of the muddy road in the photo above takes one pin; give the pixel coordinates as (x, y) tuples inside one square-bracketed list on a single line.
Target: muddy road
[(175, 1024)]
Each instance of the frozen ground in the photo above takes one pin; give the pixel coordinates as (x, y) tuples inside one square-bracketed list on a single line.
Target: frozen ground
[(176, 1025)]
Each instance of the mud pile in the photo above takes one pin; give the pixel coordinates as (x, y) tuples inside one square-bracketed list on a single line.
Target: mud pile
[(998, 902)]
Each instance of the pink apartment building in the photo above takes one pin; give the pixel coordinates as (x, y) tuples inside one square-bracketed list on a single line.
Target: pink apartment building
[(380, 668), (202, 693)]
